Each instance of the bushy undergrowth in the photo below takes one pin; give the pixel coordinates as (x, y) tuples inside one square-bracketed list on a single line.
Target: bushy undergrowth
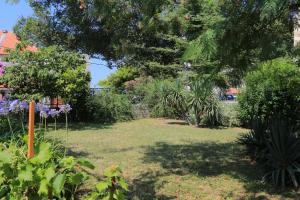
[(230, 115), (51, 175), (272, 90), (48, 175), (5, 126), (147, 93), (194, 102), (275, 146), (112, 187), (109, 107), (270, 105)]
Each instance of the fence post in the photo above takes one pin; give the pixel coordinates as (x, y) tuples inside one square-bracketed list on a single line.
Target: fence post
[(30, 153)]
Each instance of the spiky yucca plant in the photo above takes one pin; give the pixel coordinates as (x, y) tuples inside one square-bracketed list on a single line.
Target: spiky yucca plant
[(283, 155)]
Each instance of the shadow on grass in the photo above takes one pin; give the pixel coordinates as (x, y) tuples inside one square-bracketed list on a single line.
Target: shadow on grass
[(89, 126), (183, 123), (145, 185), (80, 126), (211, 159)]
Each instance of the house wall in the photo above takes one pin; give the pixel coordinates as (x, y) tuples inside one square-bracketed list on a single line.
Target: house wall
[(296, 27)]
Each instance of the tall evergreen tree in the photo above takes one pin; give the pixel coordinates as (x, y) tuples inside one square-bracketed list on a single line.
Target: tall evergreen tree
[(158, 36)]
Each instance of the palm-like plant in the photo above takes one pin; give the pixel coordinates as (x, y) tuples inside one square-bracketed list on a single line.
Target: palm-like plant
[(255, 140), (201, 91), (213, 112), (283, 155), (175, 98)]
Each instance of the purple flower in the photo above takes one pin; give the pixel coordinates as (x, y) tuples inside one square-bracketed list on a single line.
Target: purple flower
[(38, 107), (2, 68), (44, 114), (65, 108), (3, 111), (4, 107), (41, 107), (24, 106), (53, 113), (45, 108), (14, 106)]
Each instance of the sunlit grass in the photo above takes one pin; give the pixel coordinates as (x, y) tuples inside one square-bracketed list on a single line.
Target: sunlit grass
[(164, 159)]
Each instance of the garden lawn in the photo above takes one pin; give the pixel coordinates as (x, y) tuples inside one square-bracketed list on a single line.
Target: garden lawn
[(166, 159)]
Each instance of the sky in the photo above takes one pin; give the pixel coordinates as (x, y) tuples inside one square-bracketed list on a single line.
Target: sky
[(9, 15)]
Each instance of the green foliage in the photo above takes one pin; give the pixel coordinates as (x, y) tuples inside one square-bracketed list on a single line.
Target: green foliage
[(275, 147), (213, 115), (15, 121), (200, 98), (230, 114), (112, 187), (195, 102), (47, 175), (157, 36), (282, 157), (272, 90), (118, 79), (153, 94), (109, 107), (175, 97), (51, 71), (255, 140)]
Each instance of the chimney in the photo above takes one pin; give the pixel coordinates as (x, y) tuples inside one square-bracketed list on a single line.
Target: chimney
[(2, 37)]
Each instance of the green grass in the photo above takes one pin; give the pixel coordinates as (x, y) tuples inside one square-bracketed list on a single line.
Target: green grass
[(165, 159)]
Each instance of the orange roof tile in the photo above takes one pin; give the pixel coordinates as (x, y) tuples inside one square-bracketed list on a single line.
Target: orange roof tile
[(232, 91), (9, 40)]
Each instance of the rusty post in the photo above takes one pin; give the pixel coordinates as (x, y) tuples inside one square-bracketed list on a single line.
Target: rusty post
[(30, 153)]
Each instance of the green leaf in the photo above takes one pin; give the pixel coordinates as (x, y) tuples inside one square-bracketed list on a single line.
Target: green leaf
[(4, 189), (86, 163), (26, 175), (49, 173), (123, 184), (77, 179), (43, 189), (5, 157), (1, 177), (119, 195), (68, 162), (43, 155), (58, 184), (102, 186), (93, 196)]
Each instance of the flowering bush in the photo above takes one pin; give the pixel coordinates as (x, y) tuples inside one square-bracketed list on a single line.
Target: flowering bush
[(13, 111), (2, 68)]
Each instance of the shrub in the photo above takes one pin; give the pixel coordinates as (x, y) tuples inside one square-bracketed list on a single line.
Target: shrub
[(276, 148), (150, 93), (112, 187), (271, 99), (230, 114), (109, 107), (255, 140), (213, 115), (272, 90), (45, 176), (119, 78), (282, 155), (14, 123)]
